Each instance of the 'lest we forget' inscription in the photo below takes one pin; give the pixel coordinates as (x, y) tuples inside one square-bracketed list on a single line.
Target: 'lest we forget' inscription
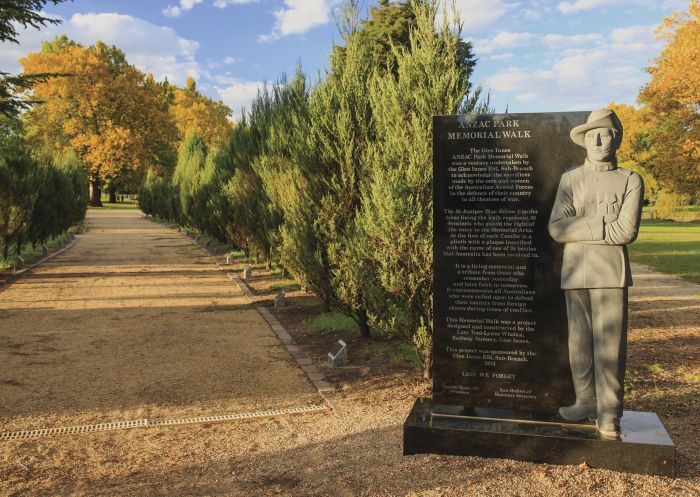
[(500, 327)]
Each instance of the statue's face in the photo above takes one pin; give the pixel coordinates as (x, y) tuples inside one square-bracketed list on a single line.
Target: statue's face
[(601, 144)]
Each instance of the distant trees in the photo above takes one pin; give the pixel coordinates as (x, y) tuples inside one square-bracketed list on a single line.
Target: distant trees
[(39, 199), (103, 109), (193, 112), (662, 135), (119, 121), (673, 100), (334, 181)]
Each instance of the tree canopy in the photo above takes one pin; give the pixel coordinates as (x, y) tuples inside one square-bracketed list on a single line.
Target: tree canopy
[(673, 100), (105, 110), (334, 180), (26, 13), (194, 112)]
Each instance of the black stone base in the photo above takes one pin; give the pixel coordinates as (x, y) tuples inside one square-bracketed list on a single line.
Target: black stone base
[(433, 429)]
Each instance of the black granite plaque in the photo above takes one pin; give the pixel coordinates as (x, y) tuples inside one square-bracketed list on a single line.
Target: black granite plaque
[(500, 326), (500, 356)]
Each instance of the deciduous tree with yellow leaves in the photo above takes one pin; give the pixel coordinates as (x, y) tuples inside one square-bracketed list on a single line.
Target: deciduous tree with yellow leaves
[(634, 152), (103, 108), (196, 113), (672, 98)]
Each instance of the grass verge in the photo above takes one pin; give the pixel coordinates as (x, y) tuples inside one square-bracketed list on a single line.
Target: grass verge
[(32, 254), (669, 247), (395, 352), (332, 322)]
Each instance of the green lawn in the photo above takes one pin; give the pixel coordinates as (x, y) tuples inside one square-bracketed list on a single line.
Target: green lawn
[(107, 206), (669, 247), (126, 203)]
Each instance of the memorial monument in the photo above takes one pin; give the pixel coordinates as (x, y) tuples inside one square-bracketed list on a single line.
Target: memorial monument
[(596, 213), (531, 219)]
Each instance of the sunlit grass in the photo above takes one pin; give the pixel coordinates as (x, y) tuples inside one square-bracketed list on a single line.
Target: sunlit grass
[(284, 284), (669, 247), (395, 352), (332, 322), (118, 206)]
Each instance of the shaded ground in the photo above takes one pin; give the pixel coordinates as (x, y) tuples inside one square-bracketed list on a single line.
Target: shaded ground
[(357, 450)]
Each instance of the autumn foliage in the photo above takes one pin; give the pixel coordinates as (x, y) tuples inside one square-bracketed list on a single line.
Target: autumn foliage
[(119, 121), (662, 136), (673, 99)]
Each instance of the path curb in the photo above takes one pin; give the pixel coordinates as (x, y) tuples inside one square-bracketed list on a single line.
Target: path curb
[(13, 276), (314, 374)]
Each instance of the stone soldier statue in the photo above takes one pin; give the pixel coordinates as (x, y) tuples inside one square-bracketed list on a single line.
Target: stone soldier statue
[(595, 214)]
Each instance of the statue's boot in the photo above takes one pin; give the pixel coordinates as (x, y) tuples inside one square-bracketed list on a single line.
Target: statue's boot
[(608, 427), (582, 409)]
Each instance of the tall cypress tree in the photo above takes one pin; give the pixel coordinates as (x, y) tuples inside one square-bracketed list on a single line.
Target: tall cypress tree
[(393, 232)]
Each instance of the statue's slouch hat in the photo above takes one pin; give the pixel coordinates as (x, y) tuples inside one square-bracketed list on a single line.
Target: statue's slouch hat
[(601, 118)]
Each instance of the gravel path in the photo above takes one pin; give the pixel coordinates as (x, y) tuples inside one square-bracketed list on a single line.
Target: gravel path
[(135, 322), (167, 338)]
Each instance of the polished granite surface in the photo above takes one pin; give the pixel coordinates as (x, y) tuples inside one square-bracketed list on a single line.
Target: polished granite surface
[(645, 446)]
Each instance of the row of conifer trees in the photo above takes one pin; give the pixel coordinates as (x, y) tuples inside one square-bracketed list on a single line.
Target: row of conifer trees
[(40, 198), (334, 181)]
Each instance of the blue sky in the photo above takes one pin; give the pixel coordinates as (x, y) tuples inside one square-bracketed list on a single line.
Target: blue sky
[(534, 56)]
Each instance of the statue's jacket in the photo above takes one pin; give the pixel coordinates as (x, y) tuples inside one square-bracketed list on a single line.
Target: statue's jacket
[(596, 213)]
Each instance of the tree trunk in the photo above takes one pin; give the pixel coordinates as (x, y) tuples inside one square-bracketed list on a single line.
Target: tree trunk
[(363, 322), (326, 300), (112, 195), (96, 198)]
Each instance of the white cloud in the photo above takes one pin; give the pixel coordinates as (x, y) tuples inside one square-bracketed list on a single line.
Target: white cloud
[(504, 39), (299, 16), (573, 7), (634, 34), (151, 48), (176, 11), (641, 39), (229, 60), (564, 41), (584, 80), (478, 14), (172, 11), (580, 71), (502, 56), (579, 5), (239, 94), (225, 3)]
